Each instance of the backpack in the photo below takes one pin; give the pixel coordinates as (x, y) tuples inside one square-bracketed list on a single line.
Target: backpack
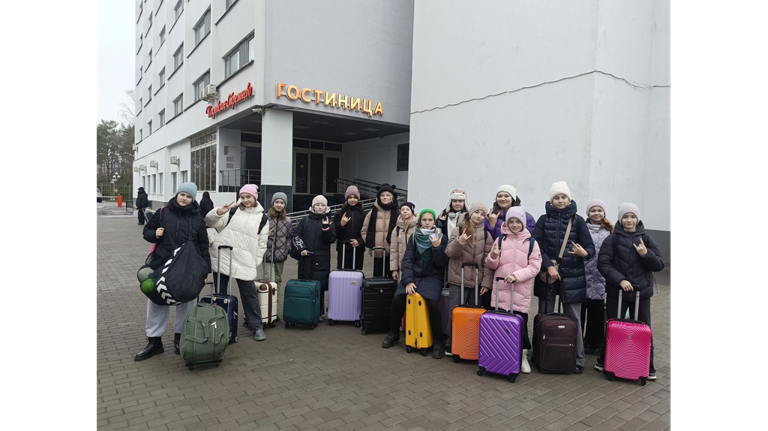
[(530, 246), (264, 219), (205, 335)]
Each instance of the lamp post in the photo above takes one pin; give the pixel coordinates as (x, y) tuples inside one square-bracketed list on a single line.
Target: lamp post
[(116, 177)]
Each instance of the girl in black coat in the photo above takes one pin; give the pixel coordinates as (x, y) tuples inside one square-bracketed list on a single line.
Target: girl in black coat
[(423, 266), (174, 224), (349, 223), (318, 233), (628, 258)]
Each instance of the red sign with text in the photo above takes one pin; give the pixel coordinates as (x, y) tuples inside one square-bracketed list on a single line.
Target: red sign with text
[(231, 101)]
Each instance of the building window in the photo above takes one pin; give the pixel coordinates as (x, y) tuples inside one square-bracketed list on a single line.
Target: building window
[(149, 57), (402, 157), (200, 84), (178, 105), (178, 57), (238, 57), (183, 177), (162, 36), (141, 103), (162, 77), (141, 134), (149, 93), (154, 184), (203, 27), (179, 8), (160, 180), (161, 117), (229, 3), (203, 161), (149, 127), (173, 181)]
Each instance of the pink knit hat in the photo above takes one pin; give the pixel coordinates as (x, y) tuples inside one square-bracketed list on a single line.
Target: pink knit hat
[(518, 213), (251, 189), (352, 190)]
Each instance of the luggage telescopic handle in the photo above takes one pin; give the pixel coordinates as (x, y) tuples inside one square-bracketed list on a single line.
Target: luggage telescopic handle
[(344, 254), (383, 265), (498, 279), (477, 270), (229, 283), (637, 305)]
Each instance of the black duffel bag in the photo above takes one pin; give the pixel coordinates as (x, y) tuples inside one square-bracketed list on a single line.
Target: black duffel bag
[(180, 279)]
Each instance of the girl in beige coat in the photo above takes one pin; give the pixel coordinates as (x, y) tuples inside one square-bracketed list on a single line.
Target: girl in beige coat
[(406, 223), (469, 243), (378, 226)]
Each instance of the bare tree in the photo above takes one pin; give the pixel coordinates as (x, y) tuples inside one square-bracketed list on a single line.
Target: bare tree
[(128, 107)]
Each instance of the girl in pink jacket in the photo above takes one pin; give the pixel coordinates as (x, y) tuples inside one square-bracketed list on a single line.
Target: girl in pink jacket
[(516, 257)]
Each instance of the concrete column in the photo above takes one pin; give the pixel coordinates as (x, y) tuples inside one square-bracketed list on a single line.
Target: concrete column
[(276, 157)]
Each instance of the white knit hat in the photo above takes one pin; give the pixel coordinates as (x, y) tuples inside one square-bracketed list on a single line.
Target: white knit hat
[(509, 189), (559, 187), (628, 208)]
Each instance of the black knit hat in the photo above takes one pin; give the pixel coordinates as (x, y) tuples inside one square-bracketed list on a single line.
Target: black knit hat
[(409, 205), (386, 188)]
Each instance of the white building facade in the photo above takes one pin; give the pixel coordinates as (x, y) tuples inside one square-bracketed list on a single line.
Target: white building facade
[(427, 95)]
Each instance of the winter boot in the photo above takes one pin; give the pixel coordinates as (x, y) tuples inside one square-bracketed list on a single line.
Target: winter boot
[(176, 341), (392, 338), (154, 346), (438, 349), (524, 367)]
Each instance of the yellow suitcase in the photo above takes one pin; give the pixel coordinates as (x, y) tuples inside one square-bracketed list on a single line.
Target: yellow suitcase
[(418, 333)]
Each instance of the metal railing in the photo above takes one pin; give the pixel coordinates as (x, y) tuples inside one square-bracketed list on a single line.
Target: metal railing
[(234, 179), (368, 189)]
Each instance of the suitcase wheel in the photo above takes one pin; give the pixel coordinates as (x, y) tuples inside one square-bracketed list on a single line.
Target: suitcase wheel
[(643, 381), (609, 375), (408, 349), (455, 358), (363, 331), (330, 322), (512, 378), (286, 325), (424, 352), (481, 371)]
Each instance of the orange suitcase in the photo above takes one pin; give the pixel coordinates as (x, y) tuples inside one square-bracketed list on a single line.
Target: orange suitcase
[(465, 331), (418, 333)]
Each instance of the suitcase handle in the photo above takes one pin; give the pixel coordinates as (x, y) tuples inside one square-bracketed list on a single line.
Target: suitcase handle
[(477, 270), (229, 282), (511, 294), (383, 264), (344, 254), (637, 305)]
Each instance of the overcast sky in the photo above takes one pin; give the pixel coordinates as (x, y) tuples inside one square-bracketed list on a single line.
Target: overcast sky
[(116, 56)]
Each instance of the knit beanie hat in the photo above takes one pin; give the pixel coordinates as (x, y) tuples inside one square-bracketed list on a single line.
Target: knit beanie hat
[(509, 189), (409, 205), (628, 208), (386, 188), (279, 195), (189, 188), (459, 194), (518, 213), (251, 189), (319, 199), (478, 206), (426, 210), (352, 190), (559, 187), (595, 203)]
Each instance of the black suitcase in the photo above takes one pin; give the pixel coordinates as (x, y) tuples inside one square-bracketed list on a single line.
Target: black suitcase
[(378, 293), (554, 341), (228, 302)]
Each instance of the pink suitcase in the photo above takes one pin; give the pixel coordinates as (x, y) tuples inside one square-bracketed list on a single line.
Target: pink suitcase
[(627, 347), (345, 294)]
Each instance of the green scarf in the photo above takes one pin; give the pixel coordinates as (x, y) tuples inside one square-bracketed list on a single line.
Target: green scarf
[(423, 244)]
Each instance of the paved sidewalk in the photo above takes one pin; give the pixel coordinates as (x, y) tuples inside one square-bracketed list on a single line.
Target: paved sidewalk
[(335, 378)]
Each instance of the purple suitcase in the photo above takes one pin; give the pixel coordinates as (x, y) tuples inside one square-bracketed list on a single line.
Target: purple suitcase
[(345, 296), (501, 346)]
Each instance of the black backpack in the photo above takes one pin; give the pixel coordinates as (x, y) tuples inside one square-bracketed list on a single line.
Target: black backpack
[(264, 219)]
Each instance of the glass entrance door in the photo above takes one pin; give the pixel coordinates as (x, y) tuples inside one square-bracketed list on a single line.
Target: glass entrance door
[(315, 172)]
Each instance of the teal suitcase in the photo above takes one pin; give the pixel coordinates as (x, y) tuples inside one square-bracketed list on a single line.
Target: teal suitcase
[(301, 303)]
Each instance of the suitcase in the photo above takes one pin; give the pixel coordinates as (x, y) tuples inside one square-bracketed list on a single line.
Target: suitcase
[(205, 335), (301, 304), (554, 341), (465, 331), (345, 296), (377, 302), (501, 341), (267, 290), (418, 333), (228, 302), (627, 347)]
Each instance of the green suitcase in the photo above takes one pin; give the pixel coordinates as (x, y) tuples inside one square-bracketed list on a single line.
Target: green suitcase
[(301, 303), (205, 335)]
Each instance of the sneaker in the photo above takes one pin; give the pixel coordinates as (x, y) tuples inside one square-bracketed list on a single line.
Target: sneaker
[(599, 367), (259, 334), (320, 318), (392, 338), (579, 369), (652, 376), (525, 368)]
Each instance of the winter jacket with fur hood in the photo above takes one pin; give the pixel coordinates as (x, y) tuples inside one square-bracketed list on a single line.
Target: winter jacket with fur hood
[(400, 236), (619, 260), (464, 253), (248, 246), (514, 260)]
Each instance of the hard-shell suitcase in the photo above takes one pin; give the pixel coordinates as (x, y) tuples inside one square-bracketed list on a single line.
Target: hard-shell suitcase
[(627, 347), (228, 302), (301, 304), (378, 293), (554, 341), (418, 333), (345, 294), (465, 322), (266, 289), (501, 345)]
